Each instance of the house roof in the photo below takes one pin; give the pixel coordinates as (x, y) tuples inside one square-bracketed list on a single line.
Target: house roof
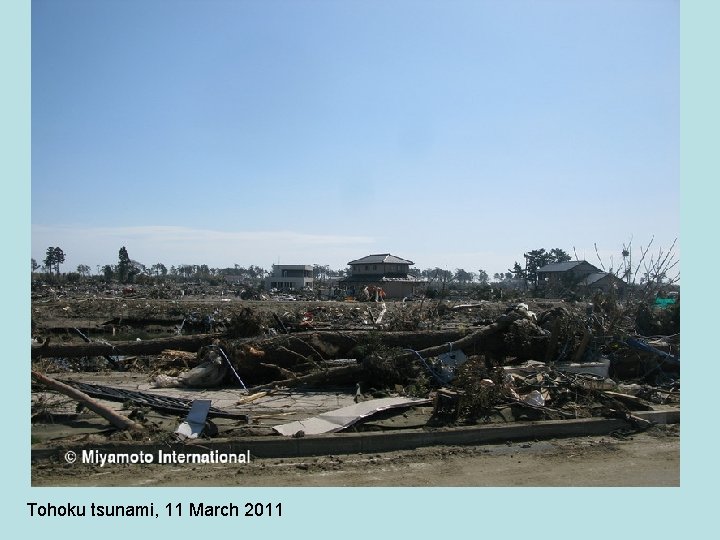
[(382, 258), (597, 276), (592, 278), (564, 266)]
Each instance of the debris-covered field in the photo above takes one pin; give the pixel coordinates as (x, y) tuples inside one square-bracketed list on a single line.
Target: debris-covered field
[(127, 366)]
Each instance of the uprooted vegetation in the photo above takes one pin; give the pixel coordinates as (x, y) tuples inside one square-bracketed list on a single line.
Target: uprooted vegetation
[(540, 359)]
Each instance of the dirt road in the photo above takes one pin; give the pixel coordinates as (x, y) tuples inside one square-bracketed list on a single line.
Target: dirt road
[(642, 459)]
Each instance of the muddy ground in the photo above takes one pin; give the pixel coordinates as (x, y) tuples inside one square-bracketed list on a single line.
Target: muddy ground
[(651, 458)]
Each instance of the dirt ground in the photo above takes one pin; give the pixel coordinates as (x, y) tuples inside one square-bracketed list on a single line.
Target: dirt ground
[(650, 458)]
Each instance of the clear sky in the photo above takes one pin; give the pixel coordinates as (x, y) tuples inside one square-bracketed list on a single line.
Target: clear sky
[(455, 134)]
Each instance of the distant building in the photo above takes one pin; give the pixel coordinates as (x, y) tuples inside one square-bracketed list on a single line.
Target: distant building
[(385, 271), (578, 276), (565, 273), (289, 277)]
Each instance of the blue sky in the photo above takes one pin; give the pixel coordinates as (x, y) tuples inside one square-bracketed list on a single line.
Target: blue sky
[(455, 134)]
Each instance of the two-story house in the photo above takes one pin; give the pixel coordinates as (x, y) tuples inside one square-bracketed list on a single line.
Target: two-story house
[(288, 277), (385, 271), (580, 276)]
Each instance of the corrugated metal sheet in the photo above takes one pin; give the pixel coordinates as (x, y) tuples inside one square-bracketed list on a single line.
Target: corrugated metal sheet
[(338, 419)]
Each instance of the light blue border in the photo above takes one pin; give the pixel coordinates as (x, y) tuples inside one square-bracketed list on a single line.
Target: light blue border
[(382, 512), (700, 118), (15, 279)]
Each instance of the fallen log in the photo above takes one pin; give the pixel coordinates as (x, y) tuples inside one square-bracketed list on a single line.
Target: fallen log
[(297, 352), (466, 343), (86, 339), (182, 355), (335, 376), (124, 348), (352, 373), (300, 350), (287, 350), (116, 419)]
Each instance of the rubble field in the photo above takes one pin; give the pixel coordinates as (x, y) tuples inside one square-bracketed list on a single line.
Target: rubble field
[(148, 367)]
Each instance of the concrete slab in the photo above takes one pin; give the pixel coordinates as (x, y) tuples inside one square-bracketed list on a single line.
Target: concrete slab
[(349, 443)]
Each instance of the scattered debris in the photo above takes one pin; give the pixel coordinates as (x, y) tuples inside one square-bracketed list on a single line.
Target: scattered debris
[(194, 424), (116, 419), (155, 401), (481, 361), (339, 419), (209, 374)]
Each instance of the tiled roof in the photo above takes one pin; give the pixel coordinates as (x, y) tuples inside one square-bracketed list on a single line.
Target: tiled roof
[(382, 258)]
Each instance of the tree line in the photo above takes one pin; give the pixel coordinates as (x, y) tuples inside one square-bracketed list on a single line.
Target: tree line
[(127, 270)]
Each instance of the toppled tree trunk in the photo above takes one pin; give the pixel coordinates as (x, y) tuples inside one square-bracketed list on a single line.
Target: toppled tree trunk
[(262, 360), (386, 366), (468, 342), (286, 350), (399, 368), (334, 376), (116, 419), (125, 348)]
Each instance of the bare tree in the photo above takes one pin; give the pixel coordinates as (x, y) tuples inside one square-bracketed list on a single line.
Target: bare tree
[(659, 269)]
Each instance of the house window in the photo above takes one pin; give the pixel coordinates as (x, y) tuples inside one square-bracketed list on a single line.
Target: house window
[(374, 266), (367, 267)]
